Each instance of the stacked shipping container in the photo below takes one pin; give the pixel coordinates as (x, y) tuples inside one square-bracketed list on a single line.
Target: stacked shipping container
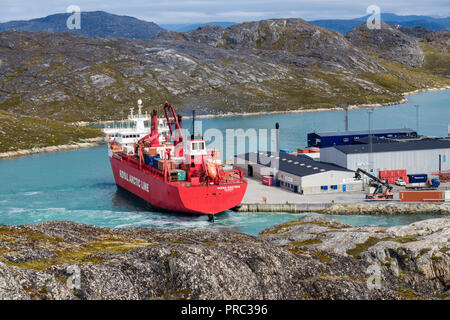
[(392, 175)]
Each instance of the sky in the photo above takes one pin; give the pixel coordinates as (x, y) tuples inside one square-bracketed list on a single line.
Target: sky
[(193, 11)]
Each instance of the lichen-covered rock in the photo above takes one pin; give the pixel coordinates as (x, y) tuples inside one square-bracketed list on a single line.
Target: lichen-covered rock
[(389, 43), (312, 258), (416, 253)]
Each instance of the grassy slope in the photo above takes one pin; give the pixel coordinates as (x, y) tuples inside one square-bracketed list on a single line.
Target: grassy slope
[(27, 132), (19, 133)]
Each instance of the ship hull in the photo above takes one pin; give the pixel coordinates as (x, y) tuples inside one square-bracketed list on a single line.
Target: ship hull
[(176, 196)]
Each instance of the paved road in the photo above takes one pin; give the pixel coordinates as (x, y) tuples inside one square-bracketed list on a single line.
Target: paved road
[(256, 191)]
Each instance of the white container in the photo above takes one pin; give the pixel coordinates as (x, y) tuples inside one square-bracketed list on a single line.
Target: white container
[(447, 195)]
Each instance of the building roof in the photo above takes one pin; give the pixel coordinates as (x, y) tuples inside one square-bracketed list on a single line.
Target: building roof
[(424, 144), (364, 132), (300, 165)]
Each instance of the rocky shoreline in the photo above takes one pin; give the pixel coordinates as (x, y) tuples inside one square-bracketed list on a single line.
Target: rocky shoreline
[(310, 258), (88, 143), (251, 114)]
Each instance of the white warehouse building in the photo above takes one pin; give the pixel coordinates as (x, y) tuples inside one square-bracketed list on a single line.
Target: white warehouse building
[(417, 156), (300, 174)]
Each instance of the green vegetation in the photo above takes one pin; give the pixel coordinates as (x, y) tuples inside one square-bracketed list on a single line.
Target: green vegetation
[(19, 133), (371, 241), (408, 293), (322, 257), (83, 255), (278, 229), (437, 59), (307, 242)]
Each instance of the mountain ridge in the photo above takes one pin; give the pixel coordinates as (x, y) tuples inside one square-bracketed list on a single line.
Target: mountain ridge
[(93, 24)]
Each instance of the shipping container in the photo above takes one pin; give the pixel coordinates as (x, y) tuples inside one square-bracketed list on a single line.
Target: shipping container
[(148, 160), (422, 196), (301, 151), (181, 174), (417, 178), (155, 162), (173, 176), (152, 151), (171, 165), (267, 180), (447, 195)]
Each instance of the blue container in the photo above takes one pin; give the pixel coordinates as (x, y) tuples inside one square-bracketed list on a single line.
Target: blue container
[(285, 151), (148, 160), (155, 162), (417, 178)]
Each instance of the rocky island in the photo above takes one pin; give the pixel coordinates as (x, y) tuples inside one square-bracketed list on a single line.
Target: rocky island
[(310, 258)]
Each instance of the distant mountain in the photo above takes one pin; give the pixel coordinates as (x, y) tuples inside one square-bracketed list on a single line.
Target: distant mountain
[(261, 66), (192, 26), (93, 24), (344, 26)]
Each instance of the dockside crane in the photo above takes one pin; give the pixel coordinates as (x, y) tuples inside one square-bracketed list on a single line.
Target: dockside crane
[(378, 194)]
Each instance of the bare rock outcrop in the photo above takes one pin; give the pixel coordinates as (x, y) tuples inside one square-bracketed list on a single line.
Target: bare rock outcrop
[(311, 258)]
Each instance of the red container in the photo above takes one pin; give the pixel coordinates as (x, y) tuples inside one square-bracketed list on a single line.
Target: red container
[(382, 174), (267, 181), (302, 151), (314, 150), (403, 172), (391, 180), (421, 196)]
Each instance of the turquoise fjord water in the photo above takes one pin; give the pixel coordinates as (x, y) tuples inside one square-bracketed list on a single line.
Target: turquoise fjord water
[(78, 185)]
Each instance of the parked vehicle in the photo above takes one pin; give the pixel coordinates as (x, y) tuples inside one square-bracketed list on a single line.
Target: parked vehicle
[(400, 182)]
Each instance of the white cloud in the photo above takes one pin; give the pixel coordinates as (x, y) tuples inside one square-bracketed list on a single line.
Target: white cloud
[(188, 11)]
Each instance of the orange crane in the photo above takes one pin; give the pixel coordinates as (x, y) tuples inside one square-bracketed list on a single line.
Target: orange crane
[(378, 194)]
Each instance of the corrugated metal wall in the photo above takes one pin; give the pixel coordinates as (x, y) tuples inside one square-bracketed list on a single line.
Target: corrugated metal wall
[(415, 162)]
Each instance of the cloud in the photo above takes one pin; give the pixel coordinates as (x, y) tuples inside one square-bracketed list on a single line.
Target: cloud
[(189, 11)]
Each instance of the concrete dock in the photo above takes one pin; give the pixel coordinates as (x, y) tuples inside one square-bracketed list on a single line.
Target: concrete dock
[(261, 198)]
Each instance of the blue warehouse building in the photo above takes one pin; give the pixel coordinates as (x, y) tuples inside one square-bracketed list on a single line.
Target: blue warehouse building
[(329, 139)]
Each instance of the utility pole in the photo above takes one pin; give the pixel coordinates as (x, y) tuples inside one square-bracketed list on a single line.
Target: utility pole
[(277, 127), (417, 118), (346, 117), (370, 112)]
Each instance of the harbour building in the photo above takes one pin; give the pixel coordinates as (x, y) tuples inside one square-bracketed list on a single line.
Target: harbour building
[(417, 156), (337, 138), (298, 173)]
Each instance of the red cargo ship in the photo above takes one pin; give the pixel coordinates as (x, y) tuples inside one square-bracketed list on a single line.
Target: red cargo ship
[(155, 167)]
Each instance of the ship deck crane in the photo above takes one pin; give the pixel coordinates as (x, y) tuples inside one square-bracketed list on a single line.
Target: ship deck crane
[(378, 194)]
